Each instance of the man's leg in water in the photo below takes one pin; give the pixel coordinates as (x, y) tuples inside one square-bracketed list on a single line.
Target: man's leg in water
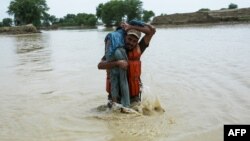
[(120, 54)]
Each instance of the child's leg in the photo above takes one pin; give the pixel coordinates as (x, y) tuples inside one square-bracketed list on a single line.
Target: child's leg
[(114, 74), (114, 79), (120, 54)]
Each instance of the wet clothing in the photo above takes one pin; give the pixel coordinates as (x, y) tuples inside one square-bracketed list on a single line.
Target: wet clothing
[(114, 50), (136, 23), (142, 46), (118, 78), (133, 78), (116, 39), (134, 72)]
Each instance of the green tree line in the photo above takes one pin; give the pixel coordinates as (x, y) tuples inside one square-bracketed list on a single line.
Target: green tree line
[(115, 11), (111, 13), (35, 12), (81, 19), (28, 11)]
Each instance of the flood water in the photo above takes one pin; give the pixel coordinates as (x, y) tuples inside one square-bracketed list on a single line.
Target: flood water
[(50, 86)]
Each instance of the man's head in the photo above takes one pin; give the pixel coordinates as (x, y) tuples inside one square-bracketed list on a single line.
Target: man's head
[(132, 38)]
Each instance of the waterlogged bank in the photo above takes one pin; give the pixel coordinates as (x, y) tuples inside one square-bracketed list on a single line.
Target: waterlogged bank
[(26, 29), (205, 17)]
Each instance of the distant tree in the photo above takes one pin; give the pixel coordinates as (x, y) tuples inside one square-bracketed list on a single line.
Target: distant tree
[(46, 20), (60, 21), (7, 22), (133, 9), (49, 20), (69, 20), (81, 19), (147, 15), (223, 9), (28, 11), (114, 11), (91, 20), (1, 24), (111, 12), (203, 10), (85, 19), (232, 6), (53, 19), (99, 11)]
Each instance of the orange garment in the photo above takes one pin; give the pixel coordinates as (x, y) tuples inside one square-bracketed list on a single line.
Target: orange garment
[(134, 73)]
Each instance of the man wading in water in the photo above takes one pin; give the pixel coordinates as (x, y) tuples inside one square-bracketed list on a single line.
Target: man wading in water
[(129, 63)]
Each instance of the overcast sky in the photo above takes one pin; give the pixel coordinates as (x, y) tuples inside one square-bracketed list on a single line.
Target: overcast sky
[(60, 8)]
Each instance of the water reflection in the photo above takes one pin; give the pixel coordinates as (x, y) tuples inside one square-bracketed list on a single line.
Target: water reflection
[(29, 43), (34, 54)]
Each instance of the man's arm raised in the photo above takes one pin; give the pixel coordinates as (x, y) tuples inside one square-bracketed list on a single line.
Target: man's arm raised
[(148, 30)]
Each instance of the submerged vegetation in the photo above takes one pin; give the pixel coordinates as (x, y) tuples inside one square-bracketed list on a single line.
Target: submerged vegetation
[(26, 29)]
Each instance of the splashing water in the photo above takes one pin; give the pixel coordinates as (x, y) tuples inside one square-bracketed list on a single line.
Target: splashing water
[(145, 121), (150, 104)]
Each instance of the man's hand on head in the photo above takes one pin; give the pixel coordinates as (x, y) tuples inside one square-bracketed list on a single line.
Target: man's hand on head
[(125, 26)]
